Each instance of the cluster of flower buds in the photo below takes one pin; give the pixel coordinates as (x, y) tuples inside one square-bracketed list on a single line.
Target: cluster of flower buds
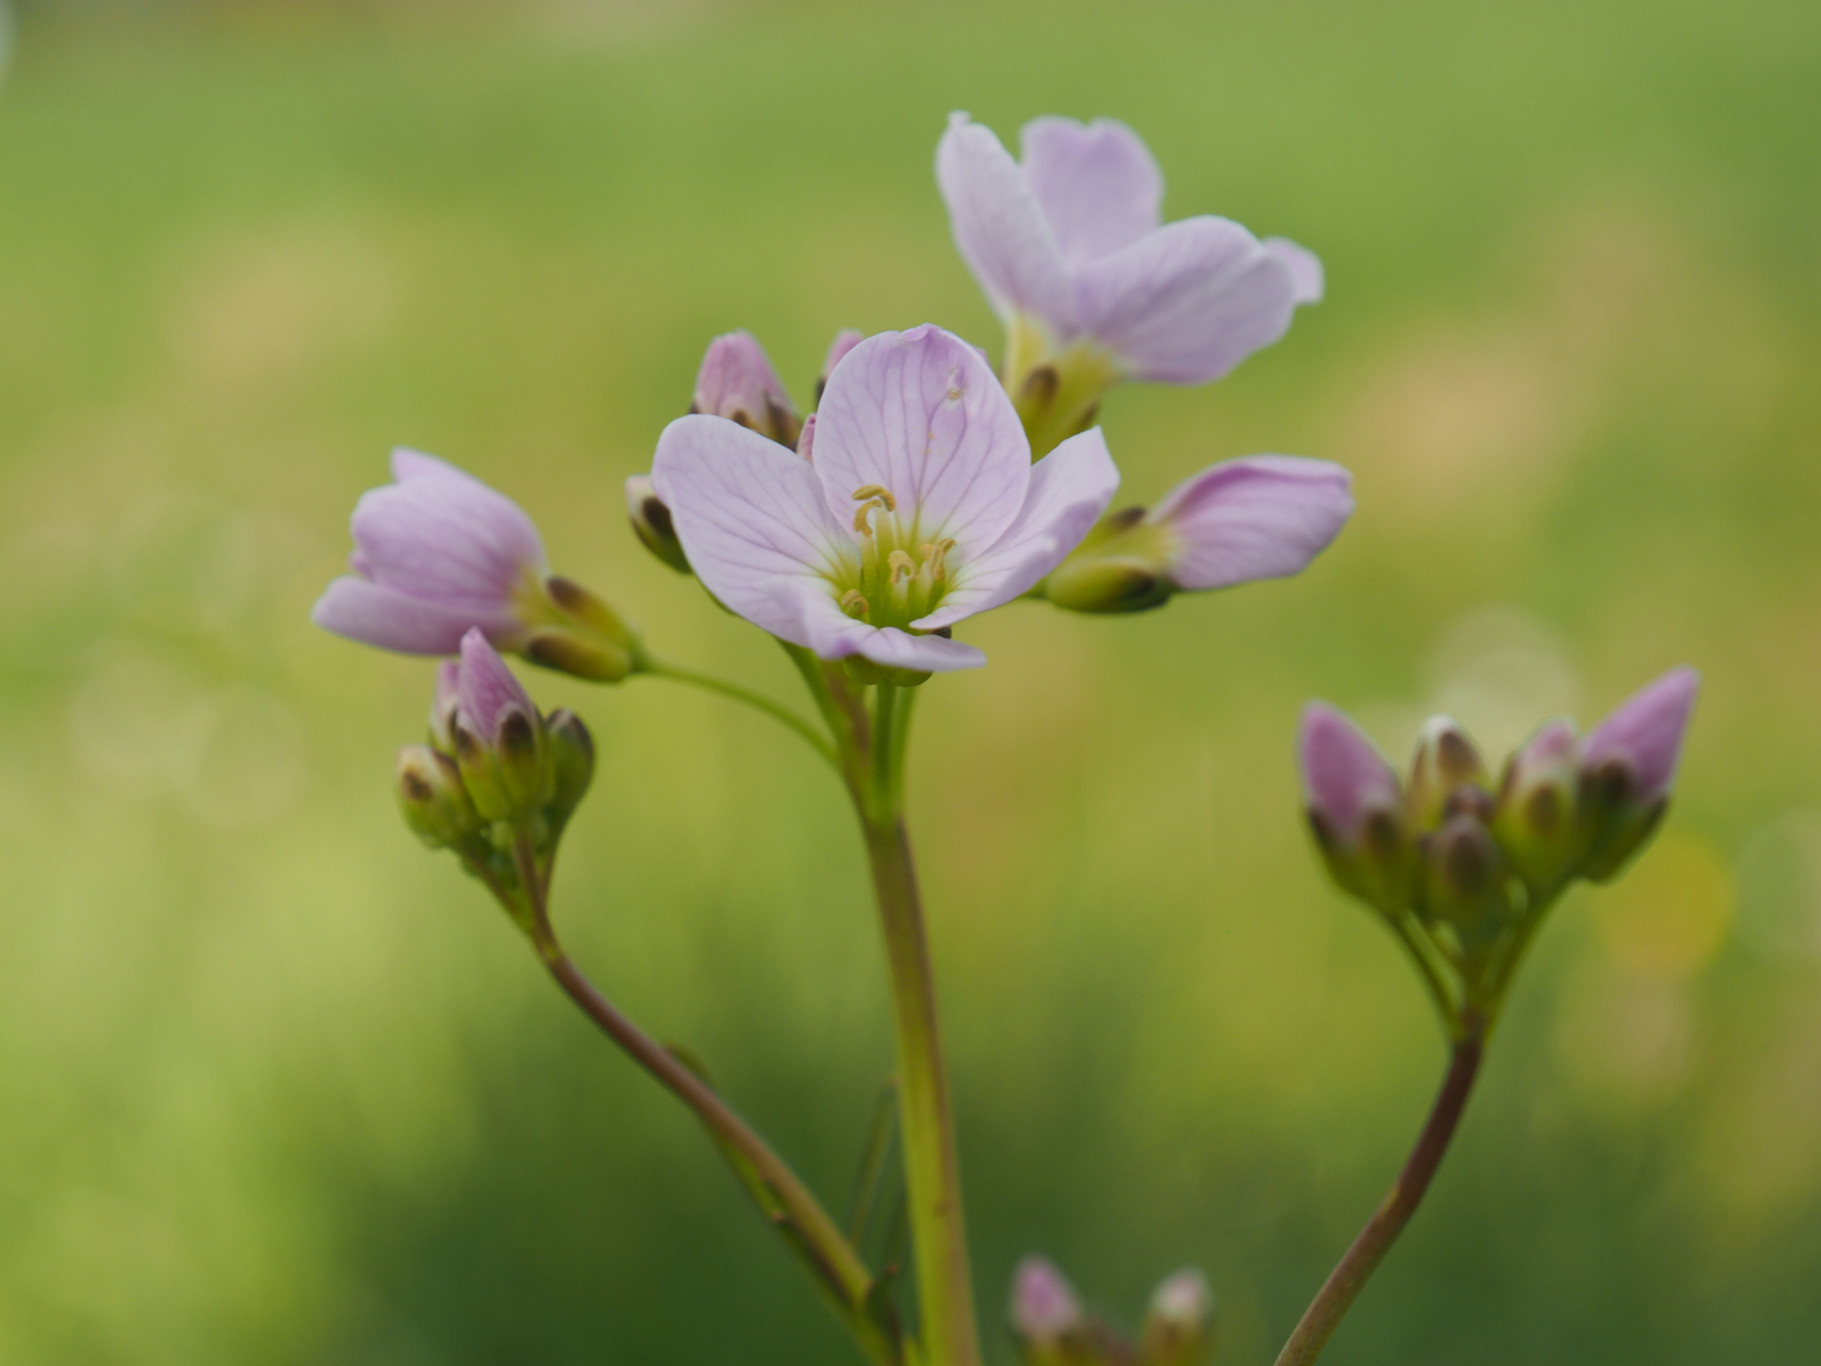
[(438, 552), (498, 781), (1474, 862), (1261, 517), (1053, 1328)]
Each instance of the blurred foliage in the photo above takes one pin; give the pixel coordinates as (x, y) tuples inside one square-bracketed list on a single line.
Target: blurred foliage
[(277, 1087)]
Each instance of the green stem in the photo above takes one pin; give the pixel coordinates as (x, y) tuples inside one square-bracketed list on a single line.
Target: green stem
[(658, 668), (1349, 1277), (1406, 929), (932, 1170)]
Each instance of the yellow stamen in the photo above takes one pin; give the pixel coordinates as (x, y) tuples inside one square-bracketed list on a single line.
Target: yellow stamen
[(854, 603), (902, 566), (867, 493)]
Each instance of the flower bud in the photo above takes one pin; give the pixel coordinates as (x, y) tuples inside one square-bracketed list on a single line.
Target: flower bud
[(736, 382), (1445, 762), (1052, 1327), (1645, 732), (500, 745), (572, 762), (1176, 1330), (1464, 884), (845, 340), (1627, 768), (1356, 810), (652, 525), (1537, 820), (431, 796), (1112, 583)]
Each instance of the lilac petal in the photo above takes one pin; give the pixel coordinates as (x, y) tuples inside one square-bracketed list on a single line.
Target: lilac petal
[(752, 520), (452, 539), (1099, 185), (1260, 517), (412, 464), (1344, 776), (487, 687), (376, 615), (1646, 732), (1069, 490), (999, 227), (1306, 274), (1044, 1305), (816, 622), (737, 377), (920, 414), (806, 439), (1187, 303)]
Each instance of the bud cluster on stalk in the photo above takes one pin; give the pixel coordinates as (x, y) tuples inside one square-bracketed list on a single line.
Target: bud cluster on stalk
[(498, 780), (1474, 861), (1053, 1328)]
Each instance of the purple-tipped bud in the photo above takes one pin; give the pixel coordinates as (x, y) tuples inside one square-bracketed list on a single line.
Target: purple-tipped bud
[(1446, 767), (1345, 778), (500, 741), (1645, 733), (486, 689), (1356, 809), (1628, 766), (652, 524), (435, 553), (1176, 1329), (1045, 1308), (845, 340), (736, 382)]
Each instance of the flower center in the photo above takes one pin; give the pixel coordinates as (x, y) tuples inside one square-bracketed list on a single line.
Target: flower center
[(899, 577)]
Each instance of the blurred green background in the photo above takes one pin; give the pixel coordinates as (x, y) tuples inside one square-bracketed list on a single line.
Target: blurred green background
[(276, 1086)]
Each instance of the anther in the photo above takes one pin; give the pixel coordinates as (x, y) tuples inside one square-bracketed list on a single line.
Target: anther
[(876, 493), (902, 566), (853, 602)]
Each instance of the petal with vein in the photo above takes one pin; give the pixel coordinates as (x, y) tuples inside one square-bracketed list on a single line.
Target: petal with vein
[(1070, 489), (1098, 184)]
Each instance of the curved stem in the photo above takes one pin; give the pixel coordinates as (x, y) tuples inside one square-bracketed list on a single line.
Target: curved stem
[(1349, 1277), (658, 668), (932, 1169), (843, 1276)]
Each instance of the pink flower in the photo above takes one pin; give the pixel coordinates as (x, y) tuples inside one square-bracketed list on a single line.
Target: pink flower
[(435, 553), (1070, 241), (921, 507)]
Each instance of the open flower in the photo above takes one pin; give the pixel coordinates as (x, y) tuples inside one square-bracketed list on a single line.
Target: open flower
[(1069, 245), (435, 553), (921, 507), (1259, 517)]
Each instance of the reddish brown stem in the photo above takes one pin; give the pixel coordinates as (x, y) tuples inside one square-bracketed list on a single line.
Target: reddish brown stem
[(1348, 1278)]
